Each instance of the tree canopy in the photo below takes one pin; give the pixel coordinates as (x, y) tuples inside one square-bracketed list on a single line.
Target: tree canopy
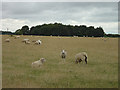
[(58, 29)]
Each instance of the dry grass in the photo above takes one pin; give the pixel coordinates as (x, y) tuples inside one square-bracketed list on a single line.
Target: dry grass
[(100, 72)]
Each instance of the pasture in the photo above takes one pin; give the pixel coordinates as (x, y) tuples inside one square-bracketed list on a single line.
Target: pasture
[(100, 72)]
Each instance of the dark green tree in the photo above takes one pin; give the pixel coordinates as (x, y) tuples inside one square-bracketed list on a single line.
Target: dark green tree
[(25, 30), (18, 32), (58, 29)]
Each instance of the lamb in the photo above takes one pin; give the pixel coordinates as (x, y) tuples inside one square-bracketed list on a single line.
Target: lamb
[(38, 42), (81, 57), (7, 40), (63, 54), (38, 63)]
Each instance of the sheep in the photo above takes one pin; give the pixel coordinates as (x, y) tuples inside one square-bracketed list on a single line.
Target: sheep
[(75, 36), (27, 42), (38, 63), (81, 57), (7, 40), (17, 37), (24, 40), (63, 54), (38, 42)]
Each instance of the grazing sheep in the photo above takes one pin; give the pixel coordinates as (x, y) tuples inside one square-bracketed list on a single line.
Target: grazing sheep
[(63, 54), (38, 63), (81, 57), (24, 40), (17, 37), (7, 40), (38, 42)]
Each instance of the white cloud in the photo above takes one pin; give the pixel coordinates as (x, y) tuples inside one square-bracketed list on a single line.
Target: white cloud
[(14, 24)]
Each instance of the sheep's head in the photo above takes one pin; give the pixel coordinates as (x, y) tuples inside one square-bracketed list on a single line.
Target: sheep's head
[(76, 61), (63, 50), (43, 60)]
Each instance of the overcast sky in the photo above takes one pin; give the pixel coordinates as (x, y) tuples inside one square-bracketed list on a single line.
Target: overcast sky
[(17, 14)]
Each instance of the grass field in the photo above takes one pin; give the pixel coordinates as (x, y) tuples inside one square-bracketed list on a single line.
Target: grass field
[(100, 72)]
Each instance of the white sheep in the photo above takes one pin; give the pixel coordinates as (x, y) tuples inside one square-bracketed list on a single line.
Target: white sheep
[(27, 42), (7, 40), (63, 54), (38, 42), (38, 63), (24, 40), (81, 57), (17, 37)]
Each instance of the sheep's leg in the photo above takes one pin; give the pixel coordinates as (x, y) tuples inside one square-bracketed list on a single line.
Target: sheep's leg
[(76, 61), (86, 59)]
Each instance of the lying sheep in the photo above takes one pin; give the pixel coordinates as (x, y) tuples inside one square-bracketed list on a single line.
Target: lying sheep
[(7, 40), (27, 42), (38, 63), (38, 42), (81, 57), (63, 54), (17, 37), (24, 40)]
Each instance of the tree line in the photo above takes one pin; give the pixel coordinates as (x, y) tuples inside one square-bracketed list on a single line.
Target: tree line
[(58, 29)]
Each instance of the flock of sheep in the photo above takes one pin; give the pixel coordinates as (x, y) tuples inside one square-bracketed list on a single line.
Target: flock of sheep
[(26, 41), (78, 57)]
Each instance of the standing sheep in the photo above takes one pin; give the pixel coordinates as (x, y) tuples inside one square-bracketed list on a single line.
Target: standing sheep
[(63, 54), (81, 57), (38, 63)]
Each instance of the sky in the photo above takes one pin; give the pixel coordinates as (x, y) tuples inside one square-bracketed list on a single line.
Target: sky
[(17, 14)]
